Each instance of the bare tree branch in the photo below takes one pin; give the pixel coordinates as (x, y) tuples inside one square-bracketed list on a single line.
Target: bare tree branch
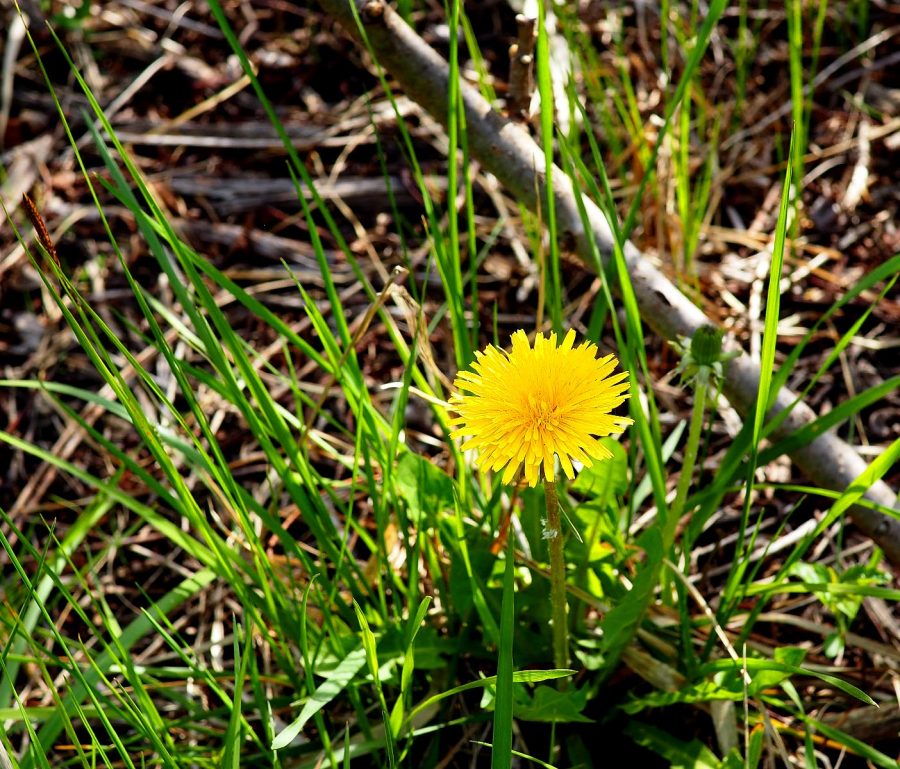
[(507, 151)]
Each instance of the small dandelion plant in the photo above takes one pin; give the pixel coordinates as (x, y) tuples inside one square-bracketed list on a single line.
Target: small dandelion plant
[(526, 408)]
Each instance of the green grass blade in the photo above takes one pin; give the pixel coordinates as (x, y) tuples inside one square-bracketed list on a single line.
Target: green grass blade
[(767, 363), (551, 265), (501, 749)]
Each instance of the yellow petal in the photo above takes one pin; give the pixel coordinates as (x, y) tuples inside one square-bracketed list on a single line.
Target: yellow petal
[(538, 402)]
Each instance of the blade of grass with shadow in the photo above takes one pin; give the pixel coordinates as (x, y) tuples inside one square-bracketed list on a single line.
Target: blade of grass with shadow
[(446, 261), (90, 342), (731, 593), (551, 268)]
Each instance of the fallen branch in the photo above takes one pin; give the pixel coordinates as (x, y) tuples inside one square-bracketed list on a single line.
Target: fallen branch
[(507, 151)]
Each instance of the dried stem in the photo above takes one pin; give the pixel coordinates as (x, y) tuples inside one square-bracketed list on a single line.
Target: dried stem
[(521, 61)]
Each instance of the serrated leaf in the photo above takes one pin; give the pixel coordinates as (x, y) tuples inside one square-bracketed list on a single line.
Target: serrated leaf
[(620, 624), (704, 691), (754, 666), (551, 705)]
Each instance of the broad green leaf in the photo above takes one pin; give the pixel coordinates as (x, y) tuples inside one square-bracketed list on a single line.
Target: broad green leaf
[(426, 488), (519, 677), (606, 480), (334, 684), (679, 754), (551, 705)]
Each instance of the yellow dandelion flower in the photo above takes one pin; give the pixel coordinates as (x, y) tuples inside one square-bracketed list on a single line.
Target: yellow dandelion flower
[(533, 404)]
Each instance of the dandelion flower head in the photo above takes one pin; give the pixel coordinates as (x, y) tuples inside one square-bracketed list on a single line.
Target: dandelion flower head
[(533, 404)]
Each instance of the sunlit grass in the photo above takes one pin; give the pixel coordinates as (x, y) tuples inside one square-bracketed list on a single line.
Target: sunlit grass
[(361, 590)]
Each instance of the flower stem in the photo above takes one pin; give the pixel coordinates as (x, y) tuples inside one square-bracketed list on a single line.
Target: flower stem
[(557, 579), (687, 469)]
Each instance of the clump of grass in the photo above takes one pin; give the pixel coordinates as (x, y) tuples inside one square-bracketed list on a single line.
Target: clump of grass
[(350, 598)]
